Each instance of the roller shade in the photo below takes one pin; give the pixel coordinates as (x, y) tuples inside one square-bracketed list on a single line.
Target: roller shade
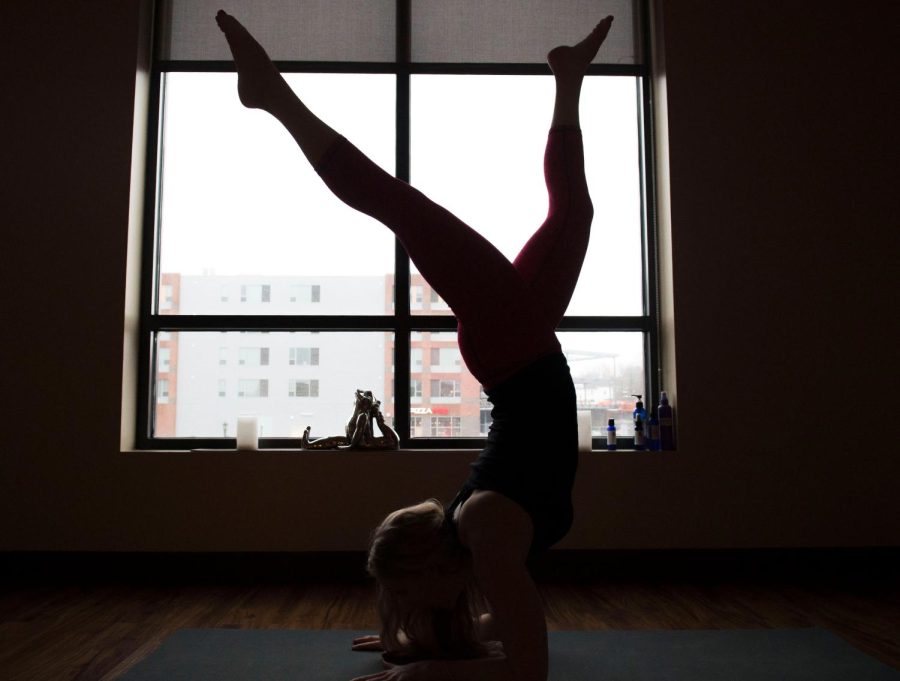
[(442, 31), (298, 30), (519, 31)]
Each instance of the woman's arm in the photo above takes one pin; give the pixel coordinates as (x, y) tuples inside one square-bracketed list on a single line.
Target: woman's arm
[(498, 533), (486, 628)]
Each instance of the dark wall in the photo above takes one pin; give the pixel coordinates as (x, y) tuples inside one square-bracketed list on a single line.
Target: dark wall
[(782, 147)]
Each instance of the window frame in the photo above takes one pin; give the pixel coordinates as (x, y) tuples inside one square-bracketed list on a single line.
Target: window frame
[(402, 323)]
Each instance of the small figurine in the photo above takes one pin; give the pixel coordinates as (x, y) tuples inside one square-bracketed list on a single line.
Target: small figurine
[(359, 433)]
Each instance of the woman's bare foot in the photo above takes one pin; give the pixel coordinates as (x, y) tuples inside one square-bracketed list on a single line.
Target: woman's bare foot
[(260, 86), (571, 61)]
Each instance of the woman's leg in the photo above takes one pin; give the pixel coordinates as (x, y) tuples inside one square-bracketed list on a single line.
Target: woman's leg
[(260, 86), (551, 260), (463, 267), (503, 319)]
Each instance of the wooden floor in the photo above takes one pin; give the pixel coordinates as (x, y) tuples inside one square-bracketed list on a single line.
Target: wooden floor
[(98, 631)]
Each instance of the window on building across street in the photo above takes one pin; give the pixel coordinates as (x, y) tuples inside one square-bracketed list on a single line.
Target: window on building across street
[(256, 293), (163, 358), (304, 356), (415, 359), (255, 271), (445, 426), (445, 388), (304, 388), (254, 357), (253, 387), (485, 421), (165, 297), (305, 293), (415, 297), (416, 427)]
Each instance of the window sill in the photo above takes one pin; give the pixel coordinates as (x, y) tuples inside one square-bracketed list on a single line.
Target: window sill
[(390, 452)]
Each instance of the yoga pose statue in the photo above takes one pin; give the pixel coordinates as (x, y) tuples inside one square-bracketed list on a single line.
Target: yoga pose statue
[(454, 594), (359, 433)]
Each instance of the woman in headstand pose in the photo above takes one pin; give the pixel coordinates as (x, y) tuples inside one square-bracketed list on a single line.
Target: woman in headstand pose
[(454, 595)]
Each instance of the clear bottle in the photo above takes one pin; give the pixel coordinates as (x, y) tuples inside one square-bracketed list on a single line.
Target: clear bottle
[(640, 442), (639, 417), (611, 435)]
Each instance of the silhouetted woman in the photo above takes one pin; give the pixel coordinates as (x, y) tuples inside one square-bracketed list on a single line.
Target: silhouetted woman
[(454, 595)]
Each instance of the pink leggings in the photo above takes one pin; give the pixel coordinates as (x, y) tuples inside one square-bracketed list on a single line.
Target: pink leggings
[(506, 312)]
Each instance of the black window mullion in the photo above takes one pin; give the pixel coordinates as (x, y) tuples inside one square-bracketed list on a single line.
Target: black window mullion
[(653, 374), (146, 399), (462, 68), (637, 323), (227, 66), (648, 242), (402, 372), (647, 158), (271, 323)]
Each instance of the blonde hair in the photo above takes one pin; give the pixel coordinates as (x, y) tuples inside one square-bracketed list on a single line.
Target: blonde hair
[(415, 542)]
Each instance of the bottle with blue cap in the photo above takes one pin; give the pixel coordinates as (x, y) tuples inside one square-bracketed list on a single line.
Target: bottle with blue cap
[(639, 415)]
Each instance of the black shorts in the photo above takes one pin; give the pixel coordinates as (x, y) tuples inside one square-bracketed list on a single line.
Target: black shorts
[(531, 454)]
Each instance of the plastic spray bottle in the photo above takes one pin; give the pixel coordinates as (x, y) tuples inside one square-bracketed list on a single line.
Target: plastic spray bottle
[(611, 435), (654, 432), (639, 417), (666, 424)]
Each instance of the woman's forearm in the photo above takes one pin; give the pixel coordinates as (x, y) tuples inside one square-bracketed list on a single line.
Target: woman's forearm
[(486, 628)]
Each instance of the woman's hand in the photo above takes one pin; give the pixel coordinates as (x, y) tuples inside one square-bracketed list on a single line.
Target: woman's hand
[(368, 643), (425, 670)]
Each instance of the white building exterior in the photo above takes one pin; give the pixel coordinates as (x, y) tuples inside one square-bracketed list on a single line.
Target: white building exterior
[(288, 380)]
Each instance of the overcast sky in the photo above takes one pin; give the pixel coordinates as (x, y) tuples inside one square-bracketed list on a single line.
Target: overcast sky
[(240, 199)]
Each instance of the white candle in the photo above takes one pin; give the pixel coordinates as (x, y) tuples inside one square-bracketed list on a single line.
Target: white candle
[(247, 433), (584, 430)]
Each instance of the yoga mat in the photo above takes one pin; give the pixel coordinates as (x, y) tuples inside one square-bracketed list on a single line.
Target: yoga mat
[(719, 655)]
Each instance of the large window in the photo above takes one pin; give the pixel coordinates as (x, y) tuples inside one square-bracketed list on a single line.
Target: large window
[(264, 295)]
